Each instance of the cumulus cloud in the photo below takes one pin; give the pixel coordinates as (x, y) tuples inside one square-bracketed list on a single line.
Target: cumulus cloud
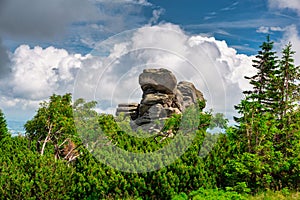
[(285, 4), (110, 73), (29, 19), (263, 29), (36, 74), (47, 21), (216, 69)]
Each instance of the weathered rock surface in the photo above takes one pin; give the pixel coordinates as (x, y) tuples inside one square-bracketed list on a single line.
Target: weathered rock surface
[(128, 109), (161, 98), (190, 93), (158, 80)]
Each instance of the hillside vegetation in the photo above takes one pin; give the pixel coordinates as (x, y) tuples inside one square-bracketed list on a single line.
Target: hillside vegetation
[(259, 158)]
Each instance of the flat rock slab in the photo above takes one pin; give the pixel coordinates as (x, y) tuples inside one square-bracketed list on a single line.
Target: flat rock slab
[(128, 105), (151, 99)]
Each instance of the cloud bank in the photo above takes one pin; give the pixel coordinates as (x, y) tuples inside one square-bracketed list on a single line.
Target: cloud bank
[(109, 74), (52, 21)]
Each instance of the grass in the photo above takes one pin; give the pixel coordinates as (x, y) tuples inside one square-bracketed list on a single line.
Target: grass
[(278, 195)]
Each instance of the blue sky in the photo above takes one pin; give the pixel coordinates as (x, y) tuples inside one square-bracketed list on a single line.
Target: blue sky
[(43, 44), (236, 21)]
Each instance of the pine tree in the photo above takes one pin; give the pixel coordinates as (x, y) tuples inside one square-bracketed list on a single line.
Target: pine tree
[(288, 82), (257, 124), (263, 98), (268, 128), (264, 90), (287, 139)]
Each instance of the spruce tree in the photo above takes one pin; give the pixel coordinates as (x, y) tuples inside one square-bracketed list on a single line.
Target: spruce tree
[(288, 79), (257, 124), (264, 90), (269, 130), (288, 82)]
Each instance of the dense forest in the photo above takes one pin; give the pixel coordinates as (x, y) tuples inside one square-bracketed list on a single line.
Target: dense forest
[(259, 156)]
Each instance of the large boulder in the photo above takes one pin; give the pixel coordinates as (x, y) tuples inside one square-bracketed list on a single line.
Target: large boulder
[(190, 93), (158, 80)]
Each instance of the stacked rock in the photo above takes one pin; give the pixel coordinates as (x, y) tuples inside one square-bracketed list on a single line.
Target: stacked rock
[(128, 109), (162, 97)]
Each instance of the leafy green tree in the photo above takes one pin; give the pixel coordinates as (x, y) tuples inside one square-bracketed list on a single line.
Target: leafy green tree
[(54, 124), (86, 121)]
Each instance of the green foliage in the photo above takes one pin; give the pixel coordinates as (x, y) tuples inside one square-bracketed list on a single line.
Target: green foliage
[(218, 120), (53, 124), (266, 140), (288, 82), (259, 155), (226, 195), (201, 104), (26, 175), (3, 126), (263, 82)]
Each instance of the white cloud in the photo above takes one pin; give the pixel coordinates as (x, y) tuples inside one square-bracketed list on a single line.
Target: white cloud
[(263, 29), (266, 29), (156, 15), (84, 21), (283, 4), (276, 28), (291, 34), (231, 7), (111, 74), (139, 2), (36, 74), (215, 68)]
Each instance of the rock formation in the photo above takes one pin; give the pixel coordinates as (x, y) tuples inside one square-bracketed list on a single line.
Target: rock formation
[(162, 97)]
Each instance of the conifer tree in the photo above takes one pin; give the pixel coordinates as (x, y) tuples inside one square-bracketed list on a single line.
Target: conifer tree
[(268, 133), (264, 90), (3, 126), (264, 95), (288, 81)]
